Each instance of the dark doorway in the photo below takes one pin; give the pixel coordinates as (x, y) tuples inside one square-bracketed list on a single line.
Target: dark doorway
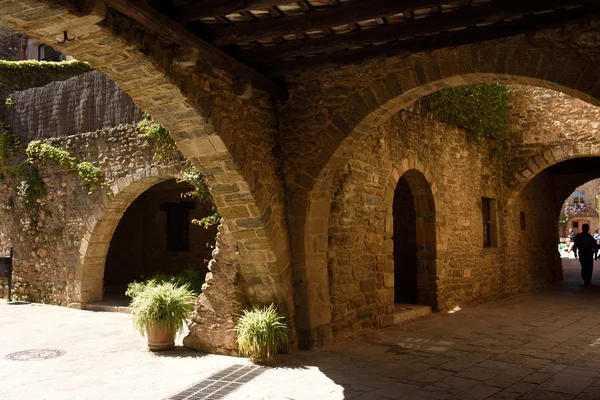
[(405, 245), (156, 236)]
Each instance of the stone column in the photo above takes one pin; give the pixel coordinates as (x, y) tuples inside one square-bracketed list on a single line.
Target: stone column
[(220, 302)]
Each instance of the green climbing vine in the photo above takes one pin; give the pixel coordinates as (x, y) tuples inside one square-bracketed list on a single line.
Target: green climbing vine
[(165, 149), (201, 192), (481, 109), (159, 140), (11, 148), (90, 174), (37, 150), (32, 187)]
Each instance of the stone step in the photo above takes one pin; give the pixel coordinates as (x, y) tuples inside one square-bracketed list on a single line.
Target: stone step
[(107, 307), (407, 312)]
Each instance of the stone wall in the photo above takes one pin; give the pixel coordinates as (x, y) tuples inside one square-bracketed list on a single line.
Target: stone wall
[(49, 239), (360, 250), (532, 259), (539, 116)]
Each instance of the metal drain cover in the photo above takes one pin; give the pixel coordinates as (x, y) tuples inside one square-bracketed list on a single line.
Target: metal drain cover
[(35, 354)]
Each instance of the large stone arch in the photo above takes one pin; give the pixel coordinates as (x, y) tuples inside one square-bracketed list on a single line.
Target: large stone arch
[(528, 167), (354, 100), (229, 139)]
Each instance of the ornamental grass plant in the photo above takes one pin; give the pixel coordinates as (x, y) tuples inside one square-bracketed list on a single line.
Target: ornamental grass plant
[(261, 333), (165, 302)]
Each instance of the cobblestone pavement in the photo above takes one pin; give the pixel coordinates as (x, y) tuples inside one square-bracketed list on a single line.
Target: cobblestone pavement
[(543, 345)]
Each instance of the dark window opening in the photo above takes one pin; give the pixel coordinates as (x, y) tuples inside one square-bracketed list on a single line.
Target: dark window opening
[(575, 224), (47, 53), (488, 210), (523, 222), (178, 225)]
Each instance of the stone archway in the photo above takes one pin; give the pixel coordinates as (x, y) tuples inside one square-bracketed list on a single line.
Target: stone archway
[(372, 101), (88, 279), (528, 167), (216, 130), (413, 213)]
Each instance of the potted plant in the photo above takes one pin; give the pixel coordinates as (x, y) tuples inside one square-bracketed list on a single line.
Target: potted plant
[(159, 311), (261, 333)]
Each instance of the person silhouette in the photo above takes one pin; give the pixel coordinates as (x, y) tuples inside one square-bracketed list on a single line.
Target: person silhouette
[(586, 246)]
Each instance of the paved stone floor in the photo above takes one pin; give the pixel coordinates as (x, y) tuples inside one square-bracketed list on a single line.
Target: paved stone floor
[(542, 345)]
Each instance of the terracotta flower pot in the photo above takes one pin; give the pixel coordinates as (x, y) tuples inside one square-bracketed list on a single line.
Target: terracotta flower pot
[(160, 337)]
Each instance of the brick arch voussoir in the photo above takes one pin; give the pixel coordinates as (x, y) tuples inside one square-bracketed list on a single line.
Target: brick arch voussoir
[(150, 77), (512, 61), (101, 225), (527, 169)]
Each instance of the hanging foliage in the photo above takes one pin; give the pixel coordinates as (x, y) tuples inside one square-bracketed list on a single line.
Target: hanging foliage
[(201, 192), (481, 109), (165, 149), (91, 174), (159, 140)]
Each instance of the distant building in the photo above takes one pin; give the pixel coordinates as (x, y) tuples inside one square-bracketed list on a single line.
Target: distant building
[(32, 49), (15, 46), (581, 208)]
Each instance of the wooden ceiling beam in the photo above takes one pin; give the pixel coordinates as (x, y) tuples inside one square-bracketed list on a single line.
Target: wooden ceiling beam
[(164, 26), (495, 31), (346, 14), (210, 8), (433, 24)]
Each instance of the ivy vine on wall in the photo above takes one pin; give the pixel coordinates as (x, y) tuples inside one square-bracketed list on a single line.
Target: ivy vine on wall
[(481, 109), (165, 149), (90, 174)]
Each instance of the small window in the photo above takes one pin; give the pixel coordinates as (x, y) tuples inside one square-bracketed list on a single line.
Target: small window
[(178, 225), (575, 224), (488, 211), (523, 222), (578, 197), (47, 53)]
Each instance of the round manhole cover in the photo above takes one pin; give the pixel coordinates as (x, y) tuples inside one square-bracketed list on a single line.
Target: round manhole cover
[(34, 355)]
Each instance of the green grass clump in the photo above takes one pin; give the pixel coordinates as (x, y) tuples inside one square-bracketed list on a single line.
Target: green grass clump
[(262, 332), (164, 302)]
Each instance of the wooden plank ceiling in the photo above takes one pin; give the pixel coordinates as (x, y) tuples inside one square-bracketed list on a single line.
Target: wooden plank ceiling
[(262, 39)]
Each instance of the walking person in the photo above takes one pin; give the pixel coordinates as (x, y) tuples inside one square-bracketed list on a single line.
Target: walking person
[(571, 240), (586, 246), (597, 238)]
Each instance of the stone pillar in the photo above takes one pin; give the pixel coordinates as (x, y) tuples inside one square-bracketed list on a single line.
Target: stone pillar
[(220, 302)]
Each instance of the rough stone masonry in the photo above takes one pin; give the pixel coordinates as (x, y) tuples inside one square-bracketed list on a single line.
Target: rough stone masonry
[(305, 187)]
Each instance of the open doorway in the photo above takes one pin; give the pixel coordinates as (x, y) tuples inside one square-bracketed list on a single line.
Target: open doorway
[(405, 245), (414, 241), (156, 236)]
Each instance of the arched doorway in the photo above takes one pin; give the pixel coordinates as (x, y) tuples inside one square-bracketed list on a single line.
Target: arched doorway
[(156, 236), (414, 241)]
